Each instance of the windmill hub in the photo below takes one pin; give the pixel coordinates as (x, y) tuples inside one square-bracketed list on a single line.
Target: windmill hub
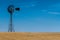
[(10, 9)]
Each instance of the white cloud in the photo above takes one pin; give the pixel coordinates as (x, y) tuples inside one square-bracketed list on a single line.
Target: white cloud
[(30, 4), (27, 6), (54, 7), (33, 5), (50, 12), (54, 12), (44, 10)]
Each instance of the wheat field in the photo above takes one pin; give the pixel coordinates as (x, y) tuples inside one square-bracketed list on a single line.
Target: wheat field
[(28, 36)]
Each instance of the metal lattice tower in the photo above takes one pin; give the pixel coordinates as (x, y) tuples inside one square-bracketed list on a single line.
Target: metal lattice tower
[(11, 11)]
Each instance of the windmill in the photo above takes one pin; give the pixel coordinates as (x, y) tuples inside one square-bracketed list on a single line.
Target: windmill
[(11, 10)]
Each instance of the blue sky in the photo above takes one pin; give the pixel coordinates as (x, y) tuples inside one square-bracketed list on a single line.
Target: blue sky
[(34, 16)]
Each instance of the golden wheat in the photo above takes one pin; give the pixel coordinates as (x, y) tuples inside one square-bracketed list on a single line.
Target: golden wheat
[(29, 36)]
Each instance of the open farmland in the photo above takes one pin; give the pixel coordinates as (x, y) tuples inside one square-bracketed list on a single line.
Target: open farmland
[(29, 36)]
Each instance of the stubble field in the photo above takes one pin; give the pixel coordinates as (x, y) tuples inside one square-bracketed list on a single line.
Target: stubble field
[(29, 36)]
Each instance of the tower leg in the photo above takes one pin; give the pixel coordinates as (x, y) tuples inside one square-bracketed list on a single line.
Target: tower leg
[(11, 29)]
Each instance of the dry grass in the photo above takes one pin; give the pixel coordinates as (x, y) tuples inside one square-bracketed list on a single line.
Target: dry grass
[(29, 36)]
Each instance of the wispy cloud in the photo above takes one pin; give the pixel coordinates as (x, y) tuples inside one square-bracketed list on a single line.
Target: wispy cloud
[(53, 12), (50, 12), (44, 10), (54, 7), (27, 6), (30, 4)]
